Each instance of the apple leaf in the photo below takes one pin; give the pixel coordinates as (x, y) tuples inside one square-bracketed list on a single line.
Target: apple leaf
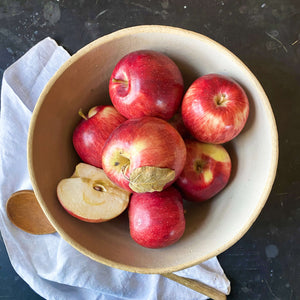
[(150, 179)]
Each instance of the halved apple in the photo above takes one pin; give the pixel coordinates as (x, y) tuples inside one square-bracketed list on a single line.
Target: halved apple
[(90, 196)]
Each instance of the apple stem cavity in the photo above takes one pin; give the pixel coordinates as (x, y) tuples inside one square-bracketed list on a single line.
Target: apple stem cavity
[(82, 115), (124, 170), (199, 166), (220, 99)]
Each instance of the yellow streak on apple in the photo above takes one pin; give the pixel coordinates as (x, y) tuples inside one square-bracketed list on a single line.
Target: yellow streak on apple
[(124, 157), (139, 146), (208, 176), (217, 153), (92, 111)]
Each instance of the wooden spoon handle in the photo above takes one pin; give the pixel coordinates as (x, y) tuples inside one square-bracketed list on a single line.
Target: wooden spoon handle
[(197, 286)]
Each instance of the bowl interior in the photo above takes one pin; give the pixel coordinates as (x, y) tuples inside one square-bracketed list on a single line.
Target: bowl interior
[(211, 227)]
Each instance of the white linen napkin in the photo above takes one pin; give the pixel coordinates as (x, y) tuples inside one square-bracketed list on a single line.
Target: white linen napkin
[(47, 263)]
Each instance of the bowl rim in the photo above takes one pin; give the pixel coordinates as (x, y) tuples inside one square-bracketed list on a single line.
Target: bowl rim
[(175, 31)]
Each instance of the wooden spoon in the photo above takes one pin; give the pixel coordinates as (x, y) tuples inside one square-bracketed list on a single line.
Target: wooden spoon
[(24, 211)]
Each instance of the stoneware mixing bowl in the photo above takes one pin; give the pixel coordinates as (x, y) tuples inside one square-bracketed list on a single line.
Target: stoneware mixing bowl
[(211, 227)]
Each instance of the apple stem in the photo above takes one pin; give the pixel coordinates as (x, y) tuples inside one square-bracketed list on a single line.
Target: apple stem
[(221, 99), (124, 169), (81, 114), (114, 80), (199, 166)]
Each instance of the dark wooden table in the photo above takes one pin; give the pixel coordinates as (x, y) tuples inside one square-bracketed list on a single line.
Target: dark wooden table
[(264, 264)]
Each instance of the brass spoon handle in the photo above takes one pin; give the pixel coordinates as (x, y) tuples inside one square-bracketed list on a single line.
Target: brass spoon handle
[(197, 286)]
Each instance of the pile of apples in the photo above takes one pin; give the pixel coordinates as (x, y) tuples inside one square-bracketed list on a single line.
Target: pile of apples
[(155, 146)]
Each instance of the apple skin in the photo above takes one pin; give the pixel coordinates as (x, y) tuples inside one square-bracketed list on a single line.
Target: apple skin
[(144, 155), (215, 109), (91, 133), (146, 83), (177, 122), (156, 220), (206, 171)]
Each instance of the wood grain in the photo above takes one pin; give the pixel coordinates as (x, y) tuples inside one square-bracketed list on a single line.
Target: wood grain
[(24, 211), (197, 286)]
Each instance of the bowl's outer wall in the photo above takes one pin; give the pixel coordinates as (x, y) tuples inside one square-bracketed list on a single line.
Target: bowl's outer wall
[(212, 227)]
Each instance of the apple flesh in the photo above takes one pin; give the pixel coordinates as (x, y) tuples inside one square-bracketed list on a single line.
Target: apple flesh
[(90, 196), (91, 133), (146, 83), (215, 109), (206, 171), (156, 220), (144, 155)]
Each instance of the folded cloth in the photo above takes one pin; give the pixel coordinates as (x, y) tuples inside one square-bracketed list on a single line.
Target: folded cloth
[(50, 266)]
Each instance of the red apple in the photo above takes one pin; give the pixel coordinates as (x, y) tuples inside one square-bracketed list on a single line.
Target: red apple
[(144, 155), (156, 220), (90, 196), (215, 109), (91, 133), (206, 171), (146, 83)]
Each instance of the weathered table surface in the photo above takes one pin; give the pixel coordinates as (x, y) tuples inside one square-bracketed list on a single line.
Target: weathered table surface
[(264, 264)]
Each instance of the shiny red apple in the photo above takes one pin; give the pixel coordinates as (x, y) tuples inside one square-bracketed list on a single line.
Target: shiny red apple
[(146, 83), (206, 171), (91, 133), (144, 155), (156, 220), (215, 109)]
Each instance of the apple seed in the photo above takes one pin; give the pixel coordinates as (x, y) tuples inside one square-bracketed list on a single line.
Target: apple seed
[(99, 187)]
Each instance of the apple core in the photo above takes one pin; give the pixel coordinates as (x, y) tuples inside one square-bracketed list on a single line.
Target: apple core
[(90, 196)]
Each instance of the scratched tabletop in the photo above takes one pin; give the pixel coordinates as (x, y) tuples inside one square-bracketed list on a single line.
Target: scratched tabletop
[(265, 35)]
